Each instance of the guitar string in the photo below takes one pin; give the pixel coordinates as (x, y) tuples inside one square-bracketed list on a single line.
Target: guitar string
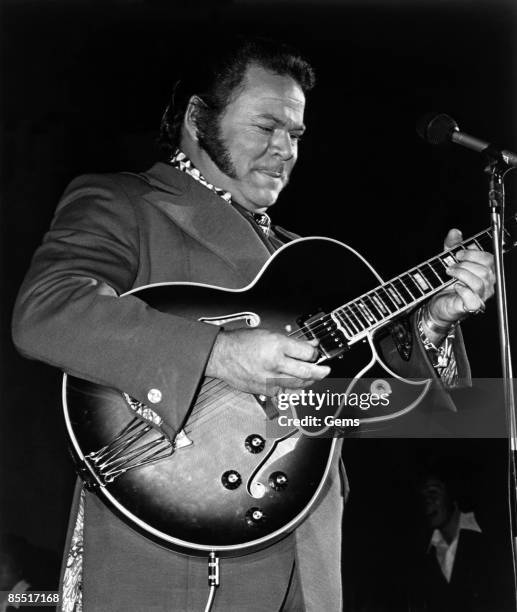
[(214, 392), (208, 413), (206, 398), (203, 402), (203, 405), (326, 318), (398, 279)]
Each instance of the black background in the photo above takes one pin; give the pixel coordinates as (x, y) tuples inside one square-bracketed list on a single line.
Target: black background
[(84, 84)]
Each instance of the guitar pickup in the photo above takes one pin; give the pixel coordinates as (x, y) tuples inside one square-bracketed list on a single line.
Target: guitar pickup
[(320, 326), (305, 321)]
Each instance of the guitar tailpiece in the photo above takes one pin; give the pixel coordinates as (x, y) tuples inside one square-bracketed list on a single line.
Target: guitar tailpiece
[(125, 452)]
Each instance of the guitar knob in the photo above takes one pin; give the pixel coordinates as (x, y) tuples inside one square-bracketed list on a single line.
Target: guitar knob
[(255, 517), (231, 479), (254, 443), (278, 481)]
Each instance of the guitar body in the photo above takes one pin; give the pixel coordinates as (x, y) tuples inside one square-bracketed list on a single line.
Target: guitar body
[(236, 478)]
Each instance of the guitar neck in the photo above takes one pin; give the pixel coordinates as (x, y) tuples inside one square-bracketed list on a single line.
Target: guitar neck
[(381, 305)]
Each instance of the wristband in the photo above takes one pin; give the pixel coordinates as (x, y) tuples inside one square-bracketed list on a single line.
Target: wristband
[(433, 325)]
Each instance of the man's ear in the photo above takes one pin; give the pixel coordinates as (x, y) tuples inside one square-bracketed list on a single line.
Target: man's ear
[(191, 116)]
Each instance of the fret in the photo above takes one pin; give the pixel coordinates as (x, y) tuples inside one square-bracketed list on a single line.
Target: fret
[(348, 323), (421, 281), (406, 288), (478, 242), (403, 300), (440, 272), (358, 314), (380, 304), (430, 276), (395, 296), (435, 273), (447, 259), (342, 322), (374, 306), (354, 326), (486, 238), (418, 282), (369, 303), (367, 313)]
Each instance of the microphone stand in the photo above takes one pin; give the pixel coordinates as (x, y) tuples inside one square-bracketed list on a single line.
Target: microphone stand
[(497, 169)]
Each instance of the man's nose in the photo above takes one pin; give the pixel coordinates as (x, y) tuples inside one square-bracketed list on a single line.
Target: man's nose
[(282, 145)]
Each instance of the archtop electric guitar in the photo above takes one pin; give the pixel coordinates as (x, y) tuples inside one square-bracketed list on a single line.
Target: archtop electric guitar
[(242, 472)]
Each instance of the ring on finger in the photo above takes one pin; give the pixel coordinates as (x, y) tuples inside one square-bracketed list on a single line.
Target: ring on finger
[(481, 308)]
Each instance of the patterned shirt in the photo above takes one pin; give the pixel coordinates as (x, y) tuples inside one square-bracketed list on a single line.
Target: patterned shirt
[(180, 161)]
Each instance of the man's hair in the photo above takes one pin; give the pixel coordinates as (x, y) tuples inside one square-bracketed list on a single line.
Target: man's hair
[(216, 78)]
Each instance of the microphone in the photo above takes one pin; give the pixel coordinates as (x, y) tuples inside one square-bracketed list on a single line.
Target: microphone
[(438, 129)]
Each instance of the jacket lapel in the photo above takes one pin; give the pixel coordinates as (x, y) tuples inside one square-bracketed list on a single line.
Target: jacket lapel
[(208, 219)]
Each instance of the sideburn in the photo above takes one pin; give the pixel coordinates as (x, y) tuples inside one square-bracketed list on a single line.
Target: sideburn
[(210, 139)]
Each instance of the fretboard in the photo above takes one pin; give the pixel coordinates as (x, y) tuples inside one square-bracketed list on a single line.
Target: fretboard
[(400, 294)]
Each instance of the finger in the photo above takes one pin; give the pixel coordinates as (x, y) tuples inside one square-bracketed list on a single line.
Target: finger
[(469, 279), (453, 238), (476, 277), (476, 256), (300, 349), (276, 386), (303, 370), (480, 270), (471, 301), (481, 264), (315, 343)]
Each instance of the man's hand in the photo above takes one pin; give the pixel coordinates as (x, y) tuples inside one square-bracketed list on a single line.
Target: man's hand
[(247, 358), (475, 275)]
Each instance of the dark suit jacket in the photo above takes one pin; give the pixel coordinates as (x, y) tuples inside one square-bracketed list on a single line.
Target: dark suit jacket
[(473, 586), (112, 233)]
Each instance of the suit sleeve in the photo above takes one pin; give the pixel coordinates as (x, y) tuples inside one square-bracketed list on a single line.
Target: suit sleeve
[(68, 313)]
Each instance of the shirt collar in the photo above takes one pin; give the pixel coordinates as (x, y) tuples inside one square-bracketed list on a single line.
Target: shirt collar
[(467, 521), (181, 162)]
